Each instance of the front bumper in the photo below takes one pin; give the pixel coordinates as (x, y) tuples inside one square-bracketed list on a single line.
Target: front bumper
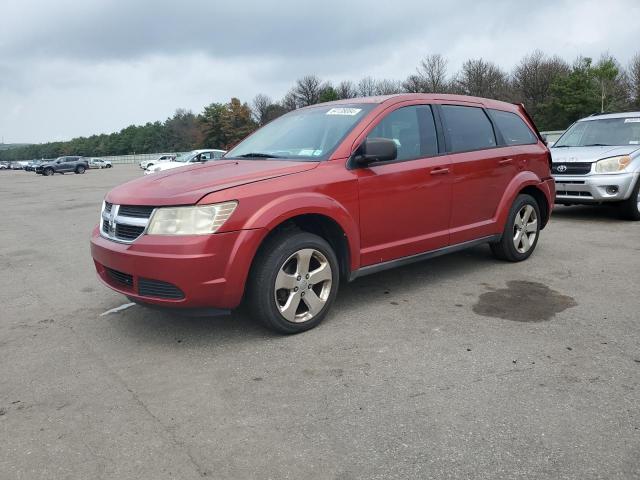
[(204, 271), (594, 188)]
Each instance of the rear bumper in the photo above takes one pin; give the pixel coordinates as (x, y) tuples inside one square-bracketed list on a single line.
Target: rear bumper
[(594, 188), (186, 272)]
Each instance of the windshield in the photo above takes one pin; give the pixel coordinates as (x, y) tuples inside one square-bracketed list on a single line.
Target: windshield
[(604, 132), (307, 135)]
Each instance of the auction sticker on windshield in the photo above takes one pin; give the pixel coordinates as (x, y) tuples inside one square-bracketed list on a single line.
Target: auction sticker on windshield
[(632, 120), (344, 111)]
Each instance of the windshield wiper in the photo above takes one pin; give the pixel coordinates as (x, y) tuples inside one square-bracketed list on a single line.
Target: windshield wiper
[(598, 145), (258, 155)]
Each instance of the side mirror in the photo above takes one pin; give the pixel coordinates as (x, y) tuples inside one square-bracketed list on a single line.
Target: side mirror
[(376, 150)]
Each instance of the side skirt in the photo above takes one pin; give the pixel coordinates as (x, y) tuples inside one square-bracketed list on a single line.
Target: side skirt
[(399, 262)]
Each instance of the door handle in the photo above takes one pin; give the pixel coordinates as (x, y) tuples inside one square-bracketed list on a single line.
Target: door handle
[(505, 161), (439, 171)]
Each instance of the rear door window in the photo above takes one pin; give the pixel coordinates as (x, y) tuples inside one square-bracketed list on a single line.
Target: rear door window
[(513, 129), (468, 128)]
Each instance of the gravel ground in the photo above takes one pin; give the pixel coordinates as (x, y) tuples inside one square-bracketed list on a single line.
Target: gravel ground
[(459, 367)]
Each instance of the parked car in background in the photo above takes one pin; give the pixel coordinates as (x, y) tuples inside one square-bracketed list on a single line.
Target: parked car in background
[(189, 158), (17, 166), (65, 164), (326, 194), (99, 163), (597, 160), (31, 166), (3, 166), (551, 136), (167, 157)]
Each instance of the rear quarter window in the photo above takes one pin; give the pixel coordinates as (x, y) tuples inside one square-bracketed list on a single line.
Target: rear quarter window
[(468, 128), (513, 129)]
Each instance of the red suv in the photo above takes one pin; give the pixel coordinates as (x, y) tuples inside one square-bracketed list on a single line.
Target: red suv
[(327, 194)]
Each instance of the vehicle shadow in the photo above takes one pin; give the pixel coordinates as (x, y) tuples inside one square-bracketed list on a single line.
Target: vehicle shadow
[(594, 213), (146, 325)]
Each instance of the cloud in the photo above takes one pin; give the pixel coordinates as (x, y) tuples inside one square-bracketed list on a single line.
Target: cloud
[(77, 68)]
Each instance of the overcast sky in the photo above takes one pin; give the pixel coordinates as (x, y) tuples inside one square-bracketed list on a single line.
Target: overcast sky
[(71, 68)]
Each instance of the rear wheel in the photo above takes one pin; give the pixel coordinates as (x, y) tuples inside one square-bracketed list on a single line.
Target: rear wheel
[(293, 282), (80, 169), (521, 232), (631, 206)]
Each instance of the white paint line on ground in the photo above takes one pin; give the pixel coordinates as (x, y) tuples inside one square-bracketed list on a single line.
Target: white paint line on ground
[(118, 309)]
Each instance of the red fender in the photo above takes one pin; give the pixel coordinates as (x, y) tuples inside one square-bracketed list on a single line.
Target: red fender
[(272, 214)]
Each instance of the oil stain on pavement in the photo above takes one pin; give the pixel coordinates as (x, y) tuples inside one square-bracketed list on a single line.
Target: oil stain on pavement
[(523, 301)]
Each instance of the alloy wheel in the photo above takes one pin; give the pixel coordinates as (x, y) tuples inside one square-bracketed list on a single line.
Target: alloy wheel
[(303, 285), (525, 228)]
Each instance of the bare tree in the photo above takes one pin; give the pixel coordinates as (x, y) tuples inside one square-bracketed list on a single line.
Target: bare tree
[(634, 80), (260, 108), (482, 79), (289, 101), (533, 77), (367, 87), (346, 89), (413, 84), (308, 90), (388, 87), (432, 73)]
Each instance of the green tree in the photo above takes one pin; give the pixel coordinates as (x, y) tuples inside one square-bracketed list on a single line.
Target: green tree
[(328, 94), (571, 97)]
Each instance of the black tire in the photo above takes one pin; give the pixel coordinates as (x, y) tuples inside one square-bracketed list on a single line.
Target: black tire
[(48, 171), (506, 249), (80, 169), (272, 257), (109, 166), (630, 208)]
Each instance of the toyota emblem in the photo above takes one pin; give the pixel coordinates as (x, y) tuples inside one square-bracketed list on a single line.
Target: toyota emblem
[(561, 168)]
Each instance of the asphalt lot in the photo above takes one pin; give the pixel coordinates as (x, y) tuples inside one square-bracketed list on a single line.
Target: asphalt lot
[(459, 367)]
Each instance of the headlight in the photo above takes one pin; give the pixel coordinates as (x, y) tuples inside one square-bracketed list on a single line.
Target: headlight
[(196, 220), (613, 164)]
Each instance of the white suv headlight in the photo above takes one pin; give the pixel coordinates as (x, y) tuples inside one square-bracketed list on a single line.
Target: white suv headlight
[(196, 220), (613, 164)]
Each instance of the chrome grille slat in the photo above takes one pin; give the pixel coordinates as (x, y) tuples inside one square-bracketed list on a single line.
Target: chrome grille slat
[(124, 223)]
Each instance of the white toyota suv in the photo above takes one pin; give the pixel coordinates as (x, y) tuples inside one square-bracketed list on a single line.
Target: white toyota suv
[(597, 160)]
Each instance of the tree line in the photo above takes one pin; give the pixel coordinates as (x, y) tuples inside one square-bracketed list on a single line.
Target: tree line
[(555, 92)]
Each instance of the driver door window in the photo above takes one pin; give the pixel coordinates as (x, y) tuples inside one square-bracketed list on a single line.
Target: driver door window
[(404, 126)]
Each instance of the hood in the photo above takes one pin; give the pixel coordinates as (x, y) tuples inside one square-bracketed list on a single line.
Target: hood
[(187, 185), (589, 154)]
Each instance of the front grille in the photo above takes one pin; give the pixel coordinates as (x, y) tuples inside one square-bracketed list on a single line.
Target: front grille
[(128, 232), (120, 277), (576, 168), (158, 289), (124, 223), (135, 211)]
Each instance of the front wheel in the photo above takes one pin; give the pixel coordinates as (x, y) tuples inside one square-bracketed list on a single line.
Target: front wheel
[(521, 232), (294, 282), (48, 172), (631, 206)]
